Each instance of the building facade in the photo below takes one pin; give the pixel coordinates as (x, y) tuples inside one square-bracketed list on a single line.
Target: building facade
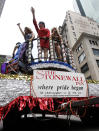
[(74, 25), (2, 2), (89, 8), (86, 55)]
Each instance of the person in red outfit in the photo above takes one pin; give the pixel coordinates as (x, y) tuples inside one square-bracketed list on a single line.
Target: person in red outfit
[(43, 34)]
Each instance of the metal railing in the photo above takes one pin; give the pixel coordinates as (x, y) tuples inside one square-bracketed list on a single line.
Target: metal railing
[(66, 53)]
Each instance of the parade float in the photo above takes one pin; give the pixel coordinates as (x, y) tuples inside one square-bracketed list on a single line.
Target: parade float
[(48, 87)]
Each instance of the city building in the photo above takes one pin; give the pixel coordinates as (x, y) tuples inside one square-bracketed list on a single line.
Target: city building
[(87, 8), (74, 25), (2, 2), (86, 55)]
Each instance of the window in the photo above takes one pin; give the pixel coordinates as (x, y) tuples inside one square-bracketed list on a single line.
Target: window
[(96, 52), (72, 27), (74, 33), (96, 43), (70, 19), (81, 57), (97, 62), (71, 22), (92, 42), (84, 68), (79, 48), (66, 36)]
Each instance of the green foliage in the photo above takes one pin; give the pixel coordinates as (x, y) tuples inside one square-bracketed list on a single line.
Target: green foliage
[(2, 59)]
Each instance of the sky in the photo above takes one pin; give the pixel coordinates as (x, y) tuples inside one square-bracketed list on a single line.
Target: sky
[(52, 12)]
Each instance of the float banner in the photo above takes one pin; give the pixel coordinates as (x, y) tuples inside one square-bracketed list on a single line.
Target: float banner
[(58, 84)]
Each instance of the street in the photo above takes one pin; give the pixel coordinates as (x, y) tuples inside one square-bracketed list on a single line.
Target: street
[(53, 124)]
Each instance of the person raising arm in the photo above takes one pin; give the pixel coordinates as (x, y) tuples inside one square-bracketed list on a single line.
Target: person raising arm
[(43, 34), (27, 33)]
